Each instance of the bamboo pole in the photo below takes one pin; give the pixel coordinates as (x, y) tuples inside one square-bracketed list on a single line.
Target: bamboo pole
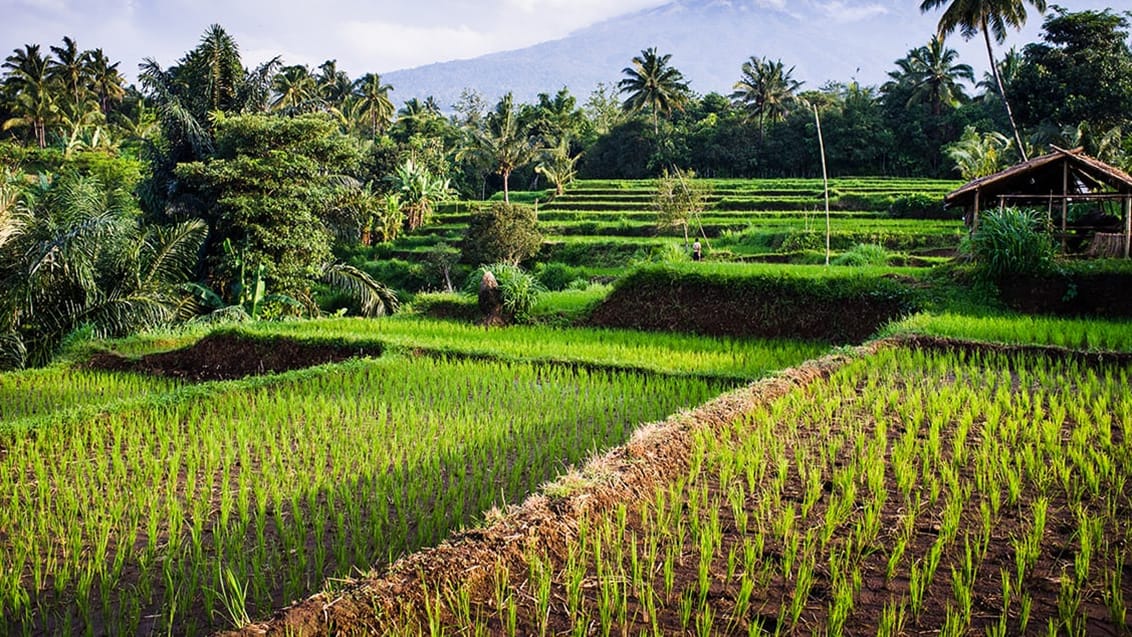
[(825, 182)]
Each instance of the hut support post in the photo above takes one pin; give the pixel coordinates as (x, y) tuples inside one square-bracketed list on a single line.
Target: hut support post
[(975, 215), (1127, 225), (1064, 200)]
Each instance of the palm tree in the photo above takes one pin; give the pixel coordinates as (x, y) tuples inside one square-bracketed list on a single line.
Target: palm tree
[(502, 142), (416, 116), (986, 16), (34, 104), (295, 90), (374, 102), (558, 165), (766, 90), (334, 85), (79, 257), (106, 81), (651, 83), (69, 69), (932, 76), (978, 155)]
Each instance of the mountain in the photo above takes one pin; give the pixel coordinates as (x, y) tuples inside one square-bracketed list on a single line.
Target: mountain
[(838, 40)]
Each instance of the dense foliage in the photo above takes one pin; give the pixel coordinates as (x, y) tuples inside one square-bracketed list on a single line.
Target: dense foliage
[(502, 232)]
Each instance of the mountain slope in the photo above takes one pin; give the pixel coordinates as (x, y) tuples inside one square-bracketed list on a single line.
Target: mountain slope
[(825, 40)]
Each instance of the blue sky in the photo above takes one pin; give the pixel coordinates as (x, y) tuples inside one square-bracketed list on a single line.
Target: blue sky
[(365, 35)]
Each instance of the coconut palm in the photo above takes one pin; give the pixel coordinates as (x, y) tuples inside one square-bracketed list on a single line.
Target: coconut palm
[(295, 90), (651, 83), (334, 85), (502, 142), (373, 101), (931, 76), (69, 70), (989, 17), (978, 155), (766, 91), (35, 104), (106, 82)]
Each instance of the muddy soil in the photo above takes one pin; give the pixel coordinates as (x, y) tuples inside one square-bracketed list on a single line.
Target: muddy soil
[(227, 356)]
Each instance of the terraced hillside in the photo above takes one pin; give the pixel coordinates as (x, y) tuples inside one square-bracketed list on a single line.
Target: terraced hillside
[(615, 219)]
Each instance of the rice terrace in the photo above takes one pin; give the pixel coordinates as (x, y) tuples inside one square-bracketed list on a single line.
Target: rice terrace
[(280, 357)]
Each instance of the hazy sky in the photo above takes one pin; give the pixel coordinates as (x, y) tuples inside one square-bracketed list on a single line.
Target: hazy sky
[(363, 35)]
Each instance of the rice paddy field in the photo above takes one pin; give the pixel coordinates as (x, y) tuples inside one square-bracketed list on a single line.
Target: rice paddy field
[(607, 221), (894, 491), (136, 505), (965, 475)]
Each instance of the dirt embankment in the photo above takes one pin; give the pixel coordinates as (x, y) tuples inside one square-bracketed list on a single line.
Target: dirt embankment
[(1102, 295), (229, 356), (766, 310)]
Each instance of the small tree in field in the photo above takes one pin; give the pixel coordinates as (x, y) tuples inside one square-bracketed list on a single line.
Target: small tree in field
[(503, 233), (679, 200)]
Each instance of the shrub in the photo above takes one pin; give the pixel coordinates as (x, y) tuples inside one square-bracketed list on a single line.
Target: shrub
[(864, 254), (1010, 242), (920, 206), (520, 289), (556, 276), (506, 233)]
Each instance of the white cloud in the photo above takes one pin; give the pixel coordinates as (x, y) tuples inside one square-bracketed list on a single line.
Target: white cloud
[(392, 46), (841, 11)]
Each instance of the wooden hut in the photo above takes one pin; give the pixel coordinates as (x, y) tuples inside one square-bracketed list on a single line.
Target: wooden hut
[(1053, 181)]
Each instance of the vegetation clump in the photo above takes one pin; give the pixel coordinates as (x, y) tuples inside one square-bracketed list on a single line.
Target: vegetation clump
[(1012, 242), (503, 232)]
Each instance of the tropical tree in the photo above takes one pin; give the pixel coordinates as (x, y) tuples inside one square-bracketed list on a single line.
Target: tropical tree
[(932, 76), (374, 102), (1080, 72), (558, 165), (267, 189), (79, 258), (334, 85), (106, 82), (978, 155), (766, 91), (295, 91), (990, 17), (418, 190), (35, 104), (69, 70), (502, 142), (651, 83)]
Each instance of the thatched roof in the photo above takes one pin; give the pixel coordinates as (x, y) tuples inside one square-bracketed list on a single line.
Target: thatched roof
[(1042, 177)]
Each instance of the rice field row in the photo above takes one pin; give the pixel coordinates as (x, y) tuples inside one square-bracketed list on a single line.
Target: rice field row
[(911, 493), (42, 392), (196, 511), (1080, 334), (672, 354)]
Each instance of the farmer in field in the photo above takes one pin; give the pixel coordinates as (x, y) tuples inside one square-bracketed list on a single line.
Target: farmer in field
[(697, 251)]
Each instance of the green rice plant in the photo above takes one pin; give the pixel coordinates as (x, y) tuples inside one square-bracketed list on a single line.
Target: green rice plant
[(892, 619)]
